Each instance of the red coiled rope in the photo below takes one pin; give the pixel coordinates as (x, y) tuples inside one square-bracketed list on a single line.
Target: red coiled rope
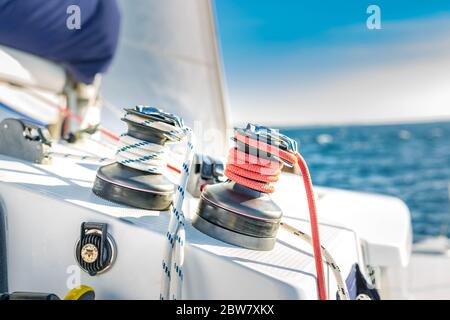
[(257, 173)]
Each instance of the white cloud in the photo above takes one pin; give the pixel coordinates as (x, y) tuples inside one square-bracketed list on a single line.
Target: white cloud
[(404, 80)]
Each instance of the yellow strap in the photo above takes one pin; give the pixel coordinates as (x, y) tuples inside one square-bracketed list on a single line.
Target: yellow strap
[(78, 292)]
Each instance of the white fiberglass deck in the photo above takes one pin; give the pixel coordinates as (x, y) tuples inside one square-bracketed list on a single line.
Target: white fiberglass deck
[(45, 205)]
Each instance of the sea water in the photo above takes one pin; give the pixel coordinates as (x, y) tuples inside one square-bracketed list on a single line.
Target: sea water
[(409, 161)]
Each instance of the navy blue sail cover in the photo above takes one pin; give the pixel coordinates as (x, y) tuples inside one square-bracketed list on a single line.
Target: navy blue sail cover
[(40, 27)]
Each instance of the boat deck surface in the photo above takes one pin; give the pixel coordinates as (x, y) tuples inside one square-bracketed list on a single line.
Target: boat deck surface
[(290, 263)]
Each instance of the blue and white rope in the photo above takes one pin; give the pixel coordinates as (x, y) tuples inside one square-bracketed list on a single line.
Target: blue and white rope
[(143, 155), (172, 275), (150, 157)]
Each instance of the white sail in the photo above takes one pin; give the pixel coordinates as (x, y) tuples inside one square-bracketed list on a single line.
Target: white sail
[(168, 57)]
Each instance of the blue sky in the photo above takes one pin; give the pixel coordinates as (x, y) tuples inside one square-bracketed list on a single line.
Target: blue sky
[(285, 53), (273, 24)]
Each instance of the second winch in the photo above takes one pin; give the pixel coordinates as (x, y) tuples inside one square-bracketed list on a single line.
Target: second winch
[(241, 211), (137, 177)]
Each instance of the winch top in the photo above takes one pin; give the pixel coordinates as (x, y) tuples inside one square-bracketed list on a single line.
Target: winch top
[(246, 138), (269, 136), (155, 114), (150, 123)]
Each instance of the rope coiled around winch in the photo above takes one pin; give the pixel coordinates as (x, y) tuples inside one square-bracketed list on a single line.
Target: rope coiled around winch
[(150, 157), (258, 173), (144, 155), (141, 155)]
